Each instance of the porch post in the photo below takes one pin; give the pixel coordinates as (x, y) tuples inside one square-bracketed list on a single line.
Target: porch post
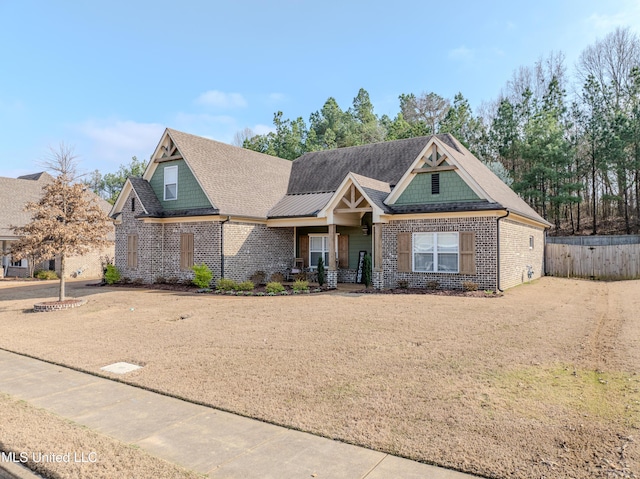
[(332, 273), (378, 274)]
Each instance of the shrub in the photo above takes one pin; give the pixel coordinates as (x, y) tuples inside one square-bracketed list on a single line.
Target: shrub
[(300, 285), (469, 286), (202, 275), (433, 284), (111, 275), (137, 281), (225, 284), (258, 277), (276, 278), (246, 286), (366, 270), (274, 287), (161, 280), (301, 276), (403, 283), (46, 274), (321, 275), (173, 280), (125, 280)]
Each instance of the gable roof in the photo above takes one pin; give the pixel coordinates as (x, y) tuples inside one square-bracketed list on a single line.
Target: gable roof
[(322, 171), (494, 188), (146, 195), (15, 193), (237, 181)]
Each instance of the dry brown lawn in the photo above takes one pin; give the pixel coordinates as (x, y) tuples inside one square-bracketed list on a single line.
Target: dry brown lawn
[(542, 382)]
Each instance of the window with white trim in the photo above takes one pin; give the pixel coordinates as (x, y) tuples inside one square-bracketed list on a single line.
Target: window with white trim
[(21, 263), (318, 246), (171, 183), (531, 242), (435, 252)]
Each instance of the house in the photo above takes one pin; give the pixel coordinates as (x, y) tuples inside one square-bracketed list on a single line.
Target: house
[(424, 208), (15, 193)]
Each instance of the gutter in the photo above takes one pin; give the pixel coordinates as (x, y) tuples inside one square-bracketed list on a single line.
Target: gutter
[(498, 249), (222, 246)]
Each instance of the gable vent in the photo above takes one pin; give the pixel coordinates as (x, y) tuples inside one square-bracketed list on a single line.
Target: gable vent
[(435, 184)]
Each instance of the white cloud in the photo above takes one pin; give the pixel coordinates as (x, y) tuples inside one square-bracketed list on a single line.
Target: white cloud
[(116, 141), (628, 14), (461, 53), (277, 97), (219, 99), (262, 129)]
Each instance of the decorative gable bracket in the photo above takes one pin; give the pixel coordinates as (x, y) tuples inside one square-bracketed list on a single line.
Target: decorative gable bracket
[(433, 161)]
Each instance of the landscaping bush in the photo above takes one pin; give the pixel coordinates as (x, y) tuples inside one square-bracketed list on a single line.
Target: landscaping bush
[(469, 286), (301, 276), (112, 275), (403, 283), (366, 270), (225, 284), (161, 280), (321, 274), (246, 286), (274, 287), (202, 275), (125, 280), (277, 278), (173, 280), (300, 285), (258, 277), (433, 284), (46, 274)]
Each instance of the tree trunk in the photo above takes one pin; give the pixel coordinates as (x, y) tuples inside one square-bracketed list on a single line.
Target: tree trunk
[(593, 188), (62, 277)]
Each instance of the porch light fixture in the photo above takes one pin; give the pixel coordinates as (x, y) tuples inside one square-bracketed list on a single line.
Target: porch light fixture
[(365, 229)]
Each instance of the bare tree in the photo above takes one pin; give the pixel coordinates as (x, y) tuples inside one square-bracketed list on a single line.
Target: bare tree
[(242, 135), (611, 60), (66, 221), (429, 108)]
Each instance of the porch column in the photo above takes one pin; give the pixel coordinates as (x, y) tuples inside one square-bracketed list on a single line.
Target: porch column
[(332, 273), (332, 248), (377, 276)]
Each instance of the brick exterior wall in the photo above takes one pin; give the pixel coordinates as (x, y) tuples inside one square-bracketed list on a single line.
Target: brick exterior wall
[(515, 254), (486, 254), (250, 247)]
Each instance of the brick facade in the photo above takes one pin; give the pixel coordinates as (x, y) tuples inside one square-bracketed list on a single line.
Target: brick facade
[(250, 247), (515, 254), (486, 252)]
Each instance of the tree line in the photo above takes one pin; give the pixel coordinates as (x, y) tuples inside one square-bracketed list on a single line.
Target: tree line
[(570, 146)]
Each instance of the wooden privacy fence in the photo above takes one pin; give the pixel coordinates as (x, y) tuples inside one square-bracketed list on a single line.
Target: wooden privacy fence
[(620, 261)]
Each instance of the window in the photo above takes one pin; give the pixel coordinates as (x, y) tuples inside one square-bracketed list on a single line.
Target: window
[(318, 246), (435, 252), (133, 204), (21, 263), (186, 250), (171, 183), (132, 251), (435, 184), (531, 242)]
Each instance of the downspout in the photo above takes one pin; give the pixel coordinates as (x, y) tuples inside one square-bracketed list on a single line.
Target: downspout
[(498, 249), (222, 246)]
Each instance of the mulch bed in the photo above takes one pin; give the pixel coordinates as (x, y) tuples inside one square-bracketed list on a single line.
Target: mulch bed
[(436, 292)]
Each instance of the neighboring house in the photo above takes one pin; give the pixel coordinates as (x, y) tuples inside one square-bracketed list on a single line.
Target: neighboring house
[(15, 193), (425, 208)]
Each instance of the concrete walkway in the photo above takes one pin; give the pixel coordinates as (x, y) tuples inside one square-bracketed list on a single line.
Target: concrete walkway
[(200, 438)]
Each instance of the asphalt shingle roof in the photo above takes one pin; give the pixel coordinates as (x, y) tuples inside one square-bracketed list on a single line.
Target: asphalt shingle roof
[(146, 195), (236, 180), (15, 193)]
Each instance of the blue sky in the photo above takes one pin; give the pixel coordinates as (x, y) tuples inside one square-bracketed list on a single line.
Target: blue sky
[(108, 77)]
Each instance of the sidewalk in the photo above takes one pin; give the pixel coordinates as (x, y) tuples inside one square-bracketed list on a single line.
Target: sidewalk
[(203, 439)]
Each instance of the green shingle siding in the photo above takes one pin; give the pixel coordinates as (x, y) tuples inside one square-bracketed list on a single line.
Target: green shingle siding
[(452, 189), (190, 195), (357, 242)]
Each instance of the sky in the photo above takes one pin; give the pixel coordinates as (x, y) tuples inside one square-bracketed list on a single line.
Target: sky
[(106, 78)]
